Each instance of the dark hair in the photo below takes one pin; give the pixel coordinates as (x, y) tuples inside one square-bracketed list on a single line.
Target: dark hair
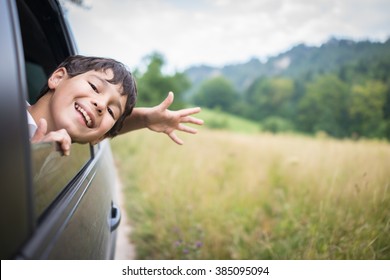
[(78, 64)]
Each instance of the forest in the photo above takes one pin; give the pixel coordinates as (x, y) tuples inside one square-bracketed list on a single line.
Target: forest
[(340, 89)]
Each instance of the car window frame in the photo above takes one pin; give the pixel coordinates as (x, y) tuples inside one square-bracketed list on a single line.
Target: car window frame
[(16, 204)]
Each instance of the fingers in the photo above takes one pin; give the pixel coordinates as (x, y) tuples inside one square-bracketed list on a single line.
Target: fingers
[(65, 144), (187, 129), (189, 111), (175, 139), (173, 120), (186, 118), (192, 120), (63, 140), (61, 137), (168, 101), (40, 132)]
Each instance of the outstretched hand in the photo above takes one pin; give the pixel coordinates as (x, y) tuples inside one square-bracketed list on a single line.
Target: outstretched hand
[(160, 119), (61, 137)]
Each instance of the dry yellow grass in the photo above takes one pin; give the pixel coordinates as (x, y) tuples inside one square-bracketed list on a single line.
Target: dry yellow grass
[(225, 195)]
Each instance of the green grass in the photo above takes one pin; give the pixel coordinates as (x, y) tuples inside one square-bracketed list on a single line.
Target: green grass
[(223, 121), (226, 195)]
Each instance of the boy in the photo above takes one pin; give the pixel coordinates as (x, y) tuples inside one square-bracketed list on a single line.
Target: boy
[(87, 99)]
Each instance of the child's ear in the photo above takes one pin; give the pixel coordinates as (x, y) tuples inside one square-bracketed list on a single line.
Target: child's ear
[(55, 78)]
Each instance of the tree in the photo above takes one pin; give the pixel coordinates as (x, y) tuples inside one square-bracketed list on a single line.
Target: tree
[(217, 92), (367, 108), (277, 124), (324, 107), (153, 85), (270, 97)]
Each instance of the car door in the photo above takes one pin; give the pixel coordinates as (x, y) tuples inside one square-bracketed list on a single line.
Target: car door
[(15, 196), (52, 207)]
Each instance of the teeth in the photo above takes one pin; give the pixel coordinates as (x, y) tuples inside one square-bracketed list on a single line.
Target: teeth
[(86, 117)]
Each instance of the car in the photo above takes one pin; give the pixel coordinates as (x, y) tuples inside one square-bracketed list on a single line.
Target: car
[(52, 206)]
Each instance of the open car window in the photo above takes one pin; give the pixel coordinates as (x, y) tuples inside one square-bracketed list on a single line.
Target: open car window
[(45, 45)]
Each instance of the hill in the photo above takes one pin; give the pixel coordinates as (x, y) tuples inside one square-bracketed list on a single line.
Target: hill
[(299, 61), (220, 120)]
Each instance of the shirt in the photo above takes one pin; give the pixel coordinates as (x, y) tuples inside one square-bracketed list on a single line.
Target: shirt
[(32, 125)]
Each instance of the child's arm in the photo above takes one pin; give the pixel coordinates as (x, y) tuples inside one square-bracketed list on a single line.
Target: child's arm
[(60, 136), (160, 119)]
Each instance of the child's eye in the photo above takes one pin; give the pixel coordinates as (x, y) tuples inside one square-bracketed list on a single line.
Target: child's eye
[(111, 113), (93, 87)]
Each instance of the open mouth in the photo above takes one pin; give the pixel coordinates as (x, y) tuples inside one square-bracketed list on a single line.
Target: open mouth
[(85, 115)]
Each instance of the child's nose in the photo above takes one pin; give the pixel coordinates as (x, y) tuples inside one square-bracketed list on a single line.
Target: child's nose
[(99, 106)]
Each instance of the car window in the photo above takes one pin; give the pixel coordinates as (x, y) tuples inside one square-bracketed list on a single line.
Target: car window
[(45, 45), (52, 171)]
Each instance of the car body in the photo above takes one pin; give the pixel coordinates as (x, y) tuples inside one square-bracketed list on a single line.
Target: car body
[(52, 206)]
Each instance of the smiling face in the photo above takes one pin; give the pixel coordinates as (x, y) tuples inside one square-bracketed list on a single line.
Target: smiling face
[(86, 105)]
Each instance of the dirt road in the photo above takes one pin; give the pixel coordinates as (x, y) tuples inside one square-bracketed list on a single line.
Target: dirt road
[(124, 250)]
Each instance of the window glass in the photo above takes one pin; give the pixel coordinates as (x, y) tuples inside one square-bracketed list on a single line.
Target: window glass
[(52, 171)]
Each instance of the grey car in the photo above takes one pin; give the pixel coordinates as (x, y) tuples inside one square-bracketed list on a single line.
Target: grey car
[(52, 207)]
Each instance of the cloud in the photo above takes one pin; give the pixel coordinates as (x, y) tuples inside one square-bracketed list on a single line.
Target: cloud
[(220, 31)]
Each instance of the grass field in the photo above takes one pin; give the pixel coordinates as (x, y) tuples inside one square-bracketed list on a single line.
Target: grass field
[(216, 119), (227, 195)]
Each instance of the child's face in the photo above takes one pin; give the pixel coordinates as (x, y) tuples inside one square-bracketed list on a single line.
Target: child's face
[(87, 106)]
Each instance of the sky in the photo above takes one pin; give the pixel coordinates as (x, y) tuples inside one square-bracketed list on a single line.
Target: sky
[(219, 32)]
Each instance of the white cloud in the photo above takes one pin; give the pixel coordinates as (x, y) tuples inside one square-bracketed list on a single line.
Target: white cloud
[(220, 31)]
